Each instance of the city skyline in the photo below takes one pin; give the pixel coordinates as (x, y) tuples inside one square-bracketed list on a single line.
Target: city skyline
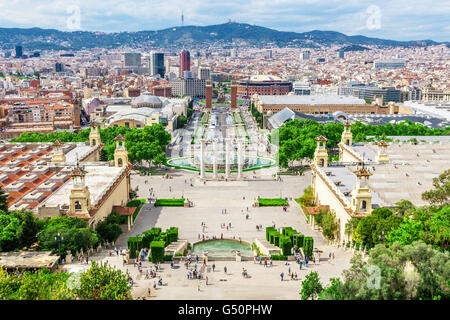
[(383, 20)]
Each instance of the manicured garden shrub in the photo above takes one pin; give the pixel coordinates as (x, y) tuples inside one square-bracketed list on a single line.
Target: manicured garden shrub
[(285, 245), (168, 257), (163, 237), (279, 257), (308, 246), (169, 203), (272, 235), (148, 237), (268, 229), (157, 251), (299, 240), (276, 239), (136, 202), (286, 230), (134, 246), (272, 202), (172, 234)]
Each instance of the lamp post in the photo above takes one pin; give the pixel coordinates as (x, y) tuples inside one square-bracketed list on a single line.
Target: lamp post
[(59, 239)]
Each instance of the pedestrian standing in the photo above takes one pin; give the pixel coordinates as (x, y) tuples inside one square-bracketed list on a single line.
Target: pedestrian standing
[(213, 267), (282, 275), (225, 270)]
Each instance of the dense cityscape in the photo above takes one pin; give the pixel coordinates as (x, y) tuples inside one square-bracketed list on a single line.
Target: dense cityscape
[(301, 170)]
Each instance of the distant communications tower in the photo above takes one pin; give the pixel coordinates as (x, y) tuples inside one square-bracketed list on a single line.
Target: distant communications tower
[(182, 18)]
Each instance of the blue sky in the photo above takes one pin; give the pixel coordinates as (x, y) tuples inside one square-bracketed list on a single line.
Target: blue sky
[(396, 19)]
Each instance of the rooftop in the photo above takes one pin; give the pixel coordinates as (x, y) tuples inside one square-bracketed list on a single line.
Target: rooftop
[(311, 100)]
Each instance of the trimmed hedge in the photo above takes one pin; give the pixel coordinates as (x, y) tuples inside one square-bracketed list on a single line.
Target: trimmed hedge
[(168, 257), (285, 245), (133, 244), (172, 234), (308, 246), (272, 202), (169, 203), (136, 202), (279, 257), (268, 230), (299, 240), (157, 251)]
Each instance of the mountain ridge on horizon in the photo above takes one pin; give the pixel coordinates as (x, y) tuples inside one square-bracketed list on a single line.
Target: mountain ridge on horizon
[(178, 36)]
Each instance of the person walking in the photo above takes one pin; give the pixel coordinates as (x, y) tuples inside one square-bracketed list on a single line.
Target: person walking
[(213, 267), (225, 270), (282, 275), (206, 280)]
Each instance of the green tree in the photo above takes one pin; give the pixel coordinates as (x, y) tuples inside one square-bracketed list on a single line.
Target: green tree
[(30, 227), (311, 286), (441, 193), (10, 230), (39, 285), (395, 273), (3, 200), (103, 282), (109, 229), (74, 231), (333, 291)]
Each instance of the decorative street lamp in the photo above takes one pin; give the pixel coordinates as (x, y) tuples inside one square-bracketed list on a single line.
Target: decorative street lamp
[(59, 239)]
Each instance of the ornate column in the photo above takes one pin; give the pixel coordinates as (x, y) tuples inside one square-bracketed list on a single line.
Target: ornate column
[(202, 158), (240, 160), (215, 159), (227, 158)]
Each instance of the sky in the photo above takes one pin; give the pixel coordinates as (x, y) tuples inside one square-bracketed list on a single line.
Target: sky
[(396, 19)]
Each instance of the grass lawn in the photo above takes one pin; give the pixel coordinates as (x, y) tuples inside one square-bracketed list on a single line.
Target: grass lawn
[(169, 203), (264, 202)]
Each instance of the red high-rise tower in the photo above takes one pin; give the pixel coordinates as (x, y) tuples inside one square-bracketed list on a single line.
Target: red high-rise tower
[(208, 94), (185, 62), (233, 95)]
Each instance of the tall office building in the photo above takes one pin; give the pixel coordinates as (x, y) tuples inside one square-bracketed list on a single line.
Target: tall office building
[(190, 87), (185, 62), (19, 52), (131, 59), (306, 55), (157, 63), (341, 54), (204, 73)]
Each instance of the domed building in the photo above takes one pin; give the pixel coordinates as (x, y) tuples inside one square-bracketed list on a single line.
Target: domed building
[(146, 100)]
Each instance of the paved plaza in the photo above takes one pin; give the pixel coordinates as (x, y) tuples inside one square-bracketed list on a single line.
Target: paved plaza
[(210, 199)]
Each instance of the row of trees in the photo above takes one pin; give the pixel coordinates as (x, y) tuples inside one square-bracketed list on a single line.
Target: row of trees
[(409, 256), (99, 282), (405, 223), (20, 229), (297, 137), (144, 145), (415, 271)]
